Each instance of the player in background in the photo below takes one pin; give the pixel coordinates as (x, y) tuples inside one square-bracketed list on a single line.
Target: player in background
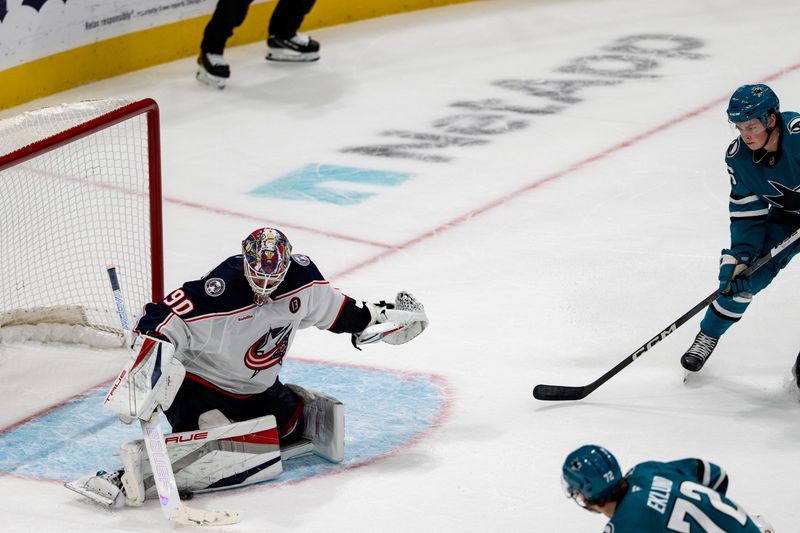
[(764, 167), (209, 356), (283, 42), (686, 496)]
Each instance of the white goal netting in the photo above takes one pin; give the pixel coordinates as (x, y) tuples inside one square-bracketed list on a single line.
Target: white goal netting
[(79, 191)]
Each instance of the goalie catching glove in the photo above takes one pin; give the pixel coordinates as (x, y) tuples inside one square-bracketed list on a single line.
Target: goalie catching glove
[(150, 380), (393, 323)]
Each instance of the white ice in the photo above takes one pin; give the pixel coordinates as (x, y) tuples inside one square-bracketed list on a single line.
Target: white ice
[(546, 255)]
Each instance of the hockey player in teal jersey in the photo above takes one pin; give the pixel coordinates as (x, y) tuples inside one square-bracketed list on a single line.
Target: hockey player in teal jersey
[(686, 496), (764, 167)]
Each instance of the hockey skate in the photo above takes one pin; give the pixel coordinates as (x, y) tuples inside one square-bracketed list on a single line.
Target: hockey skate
[(796, 371), (213, 70), (299, 48), (103, 487), (699, 352)]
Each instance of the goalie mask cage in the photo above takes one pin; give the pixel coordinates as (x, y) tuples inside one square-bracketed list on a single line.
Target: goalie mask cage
[(80, 190)]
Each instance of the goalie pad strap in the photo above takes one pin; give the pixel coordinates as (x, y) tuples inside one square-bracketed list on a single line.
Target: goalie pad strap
[(324, 423)]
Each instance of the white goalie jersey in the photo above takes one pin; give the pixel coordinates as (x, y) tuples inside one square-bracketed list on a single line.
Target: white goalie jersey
[(226, 341)]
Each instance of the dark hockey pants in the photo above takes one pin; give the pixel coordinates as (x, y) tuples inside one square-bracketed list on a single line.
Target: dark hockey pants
[(196, 396), (230, 14)]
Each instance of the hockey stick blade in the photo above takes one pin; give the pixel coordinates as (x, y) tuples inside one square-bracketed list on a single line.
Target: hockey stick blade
[(190, 516), (560, 393)]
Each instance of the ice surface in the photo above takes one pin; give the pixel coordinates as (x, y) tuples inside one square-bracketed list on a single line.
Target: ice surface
[(549, 238)]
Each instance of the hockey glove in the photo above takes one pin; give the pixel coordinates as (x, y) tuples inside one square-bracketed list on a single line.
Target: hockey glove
[(395, 323), (731, 264), (150, 380)]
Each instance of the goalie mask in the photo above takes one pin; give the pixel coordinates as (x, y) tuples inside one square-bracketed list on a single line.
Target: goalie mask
[(267, 256)]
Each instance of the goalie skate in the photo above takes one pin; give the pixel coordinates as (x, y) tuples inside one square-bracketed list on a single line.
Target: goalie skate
[(103, 487)]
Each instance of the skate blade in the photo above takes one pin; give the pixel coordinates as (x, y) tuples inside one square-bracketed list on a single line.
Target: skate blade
[(97, 498), (290, 56), (212, 81)]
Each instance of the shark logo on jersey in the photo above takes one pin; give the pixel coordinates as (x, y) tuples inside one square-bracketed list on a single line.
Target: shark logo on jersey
[(794, 126), (215, 286), (733, 147), (788, 199), (609, 528), (269, 350)]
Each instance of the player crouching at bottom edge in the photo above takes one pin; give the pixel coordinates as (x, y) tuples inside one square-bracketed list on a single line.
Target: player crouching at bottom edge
[(653, 496), (209, 355)]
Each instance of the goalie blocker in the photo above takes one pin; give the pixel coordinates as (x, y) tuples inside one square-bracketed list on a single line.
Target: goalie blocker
[(221, 455)]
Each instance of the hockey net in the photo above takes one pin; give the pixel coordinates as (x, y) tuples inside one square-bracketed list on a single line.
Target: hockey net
[(80, 190)]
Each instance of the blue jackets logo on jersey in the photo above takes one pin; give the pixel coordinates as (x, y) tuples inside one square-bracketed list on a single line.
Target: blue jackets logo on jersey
[(215, 286), (301, 259), (268, 350)]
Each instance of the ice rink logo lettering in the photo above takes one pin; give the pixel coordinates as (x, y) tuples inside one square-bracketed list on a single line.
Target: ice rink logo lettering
[(330, 184), (635, 57)]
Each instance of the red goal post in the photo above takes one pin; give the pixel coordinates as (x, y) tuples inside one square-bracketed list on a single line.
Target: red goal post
[(80, 189)]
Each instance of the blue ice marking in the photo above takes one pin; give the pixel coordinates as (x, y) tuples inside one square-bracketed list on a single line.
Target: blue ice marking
[(383, 411), (330, 183)]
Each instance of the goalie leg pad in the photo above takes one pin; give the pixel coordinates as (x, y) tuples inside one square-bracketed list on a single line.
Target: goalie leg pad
[(232, 455), (324, 422)]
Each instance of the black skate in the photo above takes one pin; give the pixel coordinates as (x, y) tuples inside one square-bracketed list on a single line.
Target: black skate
[(699, 352), (796, 371), (213, 70), (298, 48)]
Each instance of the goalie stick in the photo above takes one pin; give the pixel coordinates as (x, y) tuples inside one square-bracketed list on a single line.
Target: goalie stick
[(163, 475), (565, 392)]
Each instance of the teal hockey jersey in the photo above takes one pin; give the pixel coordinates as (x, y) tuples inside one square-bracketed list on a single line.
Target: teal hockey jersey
[(762, 182), (685, 496)]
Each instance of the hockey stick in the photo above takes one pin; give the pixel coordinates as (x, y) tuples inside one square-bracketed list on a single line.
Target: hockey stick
[(160, 464), (564, 392)]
